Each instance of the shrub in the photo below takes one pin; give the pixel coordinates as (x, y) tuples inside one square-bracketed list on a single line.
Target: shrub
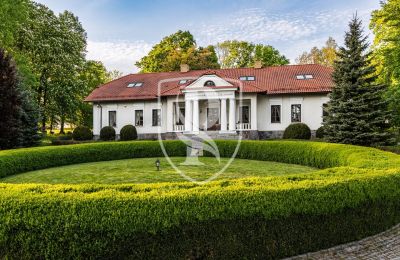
[(82, 133), (320, 133), (128, 133), (263, 218), (297, 131), (107, 133), (64, 137)]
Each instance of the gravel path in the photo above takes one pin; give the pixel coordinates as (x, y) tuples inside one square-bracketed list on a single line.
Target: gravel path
[(385, 245)]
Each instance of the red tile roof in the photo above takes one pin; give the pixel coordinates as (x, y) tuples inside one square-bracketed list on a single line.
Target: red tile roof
[(269, 80)]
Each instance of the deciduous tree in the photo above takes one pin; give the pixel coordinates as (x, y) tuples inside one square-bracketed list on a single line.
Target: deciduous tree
[(324, 56)]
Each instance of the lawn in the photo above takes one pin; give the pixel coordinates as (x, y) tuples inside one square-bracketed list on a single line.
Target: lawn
[(144, 171)]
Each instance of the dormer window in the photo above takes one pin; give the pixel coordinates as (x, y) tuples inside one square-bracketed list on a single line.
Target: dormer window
[(247, 78), (304, 76), (209, 83), (135, 84)]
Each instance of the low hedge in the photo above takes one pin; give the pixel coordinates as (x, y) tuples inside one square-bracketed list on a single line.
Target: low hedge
[(355, 194)]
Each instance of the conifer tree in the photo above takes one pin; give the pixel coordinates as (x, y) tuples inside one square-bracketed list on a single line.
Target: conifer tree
[(10, 103), (357, 112), (19, 114)]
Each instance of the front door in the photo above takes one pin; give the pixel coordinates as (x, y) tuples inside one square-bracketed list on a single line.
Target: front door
[(213, 119)]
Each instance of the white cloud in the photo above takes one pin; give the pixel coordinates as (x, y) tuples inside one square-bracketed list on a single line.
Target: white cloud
[(119, 55), (292, 33)]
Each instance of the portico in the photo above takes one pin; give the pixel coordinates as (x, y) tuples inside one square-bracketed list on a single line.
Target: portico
[(210, 110)]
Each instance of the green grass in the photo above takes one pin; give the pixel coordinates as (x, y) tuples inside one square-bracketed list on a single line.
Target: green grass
[(144, 171)]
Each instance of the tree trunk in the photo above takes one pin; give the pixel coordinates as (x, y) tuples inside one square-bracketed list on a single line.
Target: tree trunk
[(62, 122)]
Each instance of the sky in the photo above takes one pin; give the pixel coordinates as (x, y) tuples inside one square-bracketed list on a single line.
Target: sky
[(120, 32)]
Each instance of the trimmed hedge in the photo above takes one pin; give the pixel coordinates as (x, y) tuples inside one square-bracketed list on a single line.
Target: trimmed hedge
[(82, 133), (128, 133), (320, 133), (107, 133), (297, 131), (355, 194)]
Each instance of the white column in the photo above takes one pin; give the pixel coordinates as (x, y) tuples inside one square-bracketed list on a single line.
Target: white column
[(188, 115), (168, 117), (223, 115), (232, 114), (196, 115), (253, 113)]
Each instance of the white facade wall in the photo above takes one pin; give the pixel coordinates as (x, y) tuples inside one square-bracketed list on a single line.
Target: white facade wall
[(260, 112), (311, 110), (126, 115)]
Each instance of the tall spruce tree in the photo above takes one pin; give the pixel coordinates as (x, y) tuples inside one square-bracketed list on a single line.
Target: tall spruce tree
[(357, 112), (10, 103), (19, 114)]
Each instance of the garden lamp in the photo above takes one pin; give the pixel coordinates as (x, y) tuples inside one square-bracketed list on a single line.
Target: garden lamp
[(158, 164)]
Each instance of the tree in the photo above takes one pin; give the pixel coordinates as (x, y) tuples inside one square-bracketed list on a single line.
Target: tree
[(55, 47), (357, 112), (174, 50), (241, 54), (10, 103), (385, 23), (324, 56)]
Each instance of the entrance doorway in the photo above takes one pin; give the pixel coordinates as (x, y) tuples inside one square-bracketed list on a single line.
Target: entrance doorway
[(213, 119)]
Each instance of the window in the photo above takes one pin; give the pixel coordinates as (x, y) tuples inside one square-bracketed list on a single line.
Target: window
[(324, 111), (138, 117), (247, 78), (209, 83), (112, 118), (135, 84), (304, 76), (275, 114), (296, 113), (244, 115), (156, 117), (183, 81)]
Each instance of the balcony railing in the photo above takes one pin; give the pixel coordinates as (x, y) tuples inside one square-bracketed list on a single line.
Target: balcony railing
[(179, 128), (243, 126)]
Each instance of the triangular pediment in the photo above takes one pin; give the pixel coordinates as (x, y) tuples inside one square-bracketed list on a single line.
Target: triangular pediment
[(201, 82)]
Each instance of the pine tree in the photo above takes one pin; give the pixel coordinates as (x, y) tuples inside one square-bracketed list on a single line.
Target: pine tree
[(29, 120), (357, 112), (10, 103)]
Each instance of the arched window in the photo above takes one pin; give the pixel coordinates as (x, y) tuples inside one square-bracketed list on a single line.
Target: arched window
[(209, 83)]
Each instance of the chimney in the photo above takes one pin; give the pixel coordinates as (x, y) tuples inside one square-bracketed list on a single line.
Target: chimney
[(184, 68), (257, 64)]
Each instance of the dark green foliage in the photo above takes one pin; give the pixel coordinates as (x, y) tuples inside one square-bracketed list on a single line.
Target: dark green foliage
[(357, 111), (297, 131), (320, 133), (107, 133), (10, 103), (82, 133), (128, 133)]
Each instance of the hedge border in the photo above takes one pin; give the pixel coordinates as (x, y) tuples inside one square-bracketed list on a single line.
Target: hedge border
[(356, 193)]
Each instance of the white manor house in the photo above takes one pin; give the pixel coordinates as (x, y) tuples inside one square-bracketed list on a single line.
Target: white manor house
[(259, 102)]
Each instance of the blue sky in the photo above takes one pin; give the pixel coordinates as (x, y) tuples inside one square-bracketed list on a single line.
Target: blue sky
[(120, 31)]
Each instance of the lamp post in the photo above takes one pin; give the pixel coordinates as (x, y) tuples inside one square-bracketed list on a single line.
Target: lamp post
[(158, 164)]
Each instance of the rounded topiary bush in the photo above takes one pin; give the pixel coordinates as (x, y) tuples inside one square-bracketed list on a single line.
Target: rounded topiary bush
[(82, 133), (107, 133), (297, 131), (128, 132), (320, 133)]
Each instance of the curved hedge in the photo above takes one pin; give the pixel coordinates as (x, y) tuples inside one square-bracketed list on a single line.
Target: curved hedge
[(355, 194)]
